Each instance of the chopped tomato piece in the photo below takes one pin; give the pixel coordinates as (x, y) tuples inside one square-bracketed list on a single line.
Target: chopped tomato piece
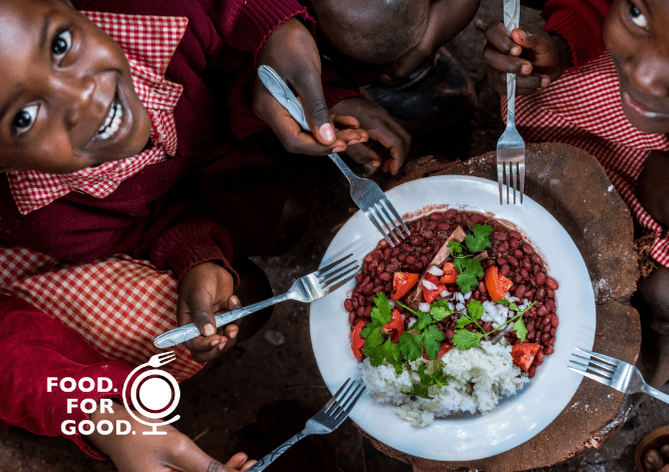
[(450, 273), (445, 347), (431, 295), (395, 327), (496, 283), (402, 283), (357, 341), (523, 354)]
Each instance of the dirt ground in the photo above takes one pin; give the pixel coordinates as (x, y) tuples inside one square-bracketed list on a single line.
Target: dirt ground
[(263, 391)]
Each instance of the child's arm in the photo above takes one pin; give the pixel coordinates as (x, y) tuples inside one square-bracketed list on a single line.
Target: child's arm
[(447, 19), (148, 453), (537, 57)]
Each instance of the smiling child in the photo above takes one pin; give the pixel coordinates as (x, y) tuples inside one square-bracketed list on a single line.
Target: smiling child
[(597, 77)]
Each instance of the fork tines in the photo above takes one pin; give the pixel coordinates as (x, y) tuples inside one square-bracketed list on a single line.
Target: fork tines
[(345, 399), (510, 175), (386, 219), (334, 275), (594, 367)]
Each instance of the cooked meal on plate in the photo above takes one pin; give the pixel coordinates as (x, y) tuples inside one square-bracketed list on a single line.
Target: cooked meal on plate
[(457, 316)]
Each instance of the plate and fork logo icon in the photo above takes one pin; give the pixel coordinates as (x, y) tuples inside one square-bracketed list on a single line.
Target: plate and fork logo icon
[(153, 393)]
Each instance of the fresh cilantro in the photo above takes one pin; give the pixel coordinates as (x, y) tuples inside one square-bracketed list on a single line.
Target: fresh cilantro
[(419, 391), (478, 240), (410, 346), (440, 310), (424, 319), (521, 329), (388, 351), (464, 339), (432, 337), (456, 247), (474, 312), (382, 310), (470, 269)]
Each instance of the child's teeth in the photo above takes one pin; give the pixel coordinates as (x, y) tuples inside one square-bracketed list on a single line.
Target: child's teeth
[(112, 123)]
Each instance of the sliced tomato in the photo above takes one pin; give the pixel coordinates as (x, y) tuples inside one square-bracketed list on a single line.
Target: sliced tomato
[(357, 341), (431, 295), (523, 354), (445, 347), (496, 283), (395, 327), (450, 274), (402, 283)]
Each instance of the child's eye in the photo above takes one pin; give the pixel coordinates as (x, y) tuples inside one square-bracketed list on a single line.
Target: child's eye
[(61, 44), (637, 17), (25, 119)]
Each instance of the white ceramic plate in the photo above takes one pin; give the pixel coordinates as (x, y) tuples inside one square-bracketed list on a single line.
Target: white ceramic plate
[(517, 418)]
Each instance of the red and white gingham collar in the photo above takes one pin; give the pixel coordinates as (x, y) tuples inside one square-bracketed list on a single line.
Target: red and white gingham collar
[(149, 43)]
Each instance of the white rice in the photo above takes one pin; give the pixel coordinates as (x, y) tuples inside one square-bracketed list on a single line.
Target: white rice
[(477, 380)]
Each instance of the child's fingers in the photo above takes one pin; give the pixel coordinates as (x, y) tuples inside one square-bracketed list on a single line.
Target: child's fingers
[(310, 90), (496, 36), (505, 63), (206, 348), (527, 85), (538, 40)]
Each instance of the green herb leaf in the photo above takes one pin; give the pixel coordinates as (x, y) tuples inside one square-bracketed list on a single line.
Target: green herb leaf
[(424, 319), (440, 310), (382, 311), (475, 309), (419, 391), (464, 339), (410, 346), (456, 247), (432, 338), (478, 240), (521, 329), (372, 334), (388, 351)]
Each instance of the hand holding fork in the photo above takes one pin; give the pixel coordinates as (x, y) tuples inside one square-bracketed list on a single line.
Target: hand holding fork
[(305, 289)]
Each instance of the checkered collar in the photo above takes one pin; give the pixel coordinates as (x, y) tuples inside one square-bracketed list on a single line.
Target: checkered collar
[(149, 43)]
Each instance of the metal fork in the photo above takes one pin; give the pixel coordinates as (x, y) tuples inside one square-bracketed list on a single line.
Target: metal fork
[(305, 289), (325, 421), (511, 147), (617, 374), (365, 193)]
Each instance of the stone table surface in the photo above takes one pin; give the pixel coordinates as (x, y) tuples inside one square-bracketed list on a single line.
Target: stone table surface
[(574, 188)]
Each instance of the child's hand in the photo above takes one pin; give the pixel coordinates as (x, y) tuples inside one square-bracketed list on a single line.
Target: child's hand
[(537, 57), (382, 128), (652, 190), (205, 289), (165, 453), (291, 51)]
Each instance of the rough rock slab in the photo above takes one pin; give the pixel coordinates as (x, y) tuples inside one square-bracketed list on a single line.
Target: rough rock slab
[(574, 188)]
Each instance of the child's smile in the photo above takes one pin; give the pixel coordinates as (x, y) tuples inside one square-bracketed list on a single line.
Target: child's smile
[(67, 100), (637, 38)]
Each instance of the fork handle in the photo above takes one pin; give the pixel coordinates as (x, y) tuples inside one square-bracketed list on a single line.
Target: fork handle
[(348, 173), (190, 331), (653, 392), (272, 456), (511, 99)]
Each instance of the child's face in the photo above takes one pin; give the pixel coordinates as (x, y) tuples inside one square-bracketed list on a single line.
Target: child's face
[(66, 96), (637, 37)]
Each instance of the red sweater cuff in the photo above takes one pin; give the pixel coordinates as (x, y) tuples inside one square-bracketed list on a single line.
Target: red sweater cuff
[(188, 244), (253, 21)]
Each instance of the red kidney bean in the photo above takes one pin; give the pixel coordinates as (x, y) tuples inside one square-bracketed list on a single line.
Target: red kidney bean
[(500, 260), (407, 248), (541, 278), (529, 293), (545, 337), (552, 283), (515, 235), (505, 270), (554, 320), (536, 259), (442, 225), (395, 251), (402, 257), (368, 312), (378, 288), (530, 335), (482, 287), (477, 218), (546, 328), (417, 240), (550, 293), (520, 291), (518, 254), (427, 249), (551, 341), (436, 216), (353, 320), (513, 261), (361, 299), (540, 293), (499, 235), (450, 214), (548, 350), (389, 287), (368, 288), (549, 304), (449, 334), (546, 320), (553, 331), (527, 263), (527, 249), (487, 326), (386, 276), (360, 311), (365, 280), (517, 279), (503, 247), (410, 260), (514, 243), (532, 371), (358, 278), (368, 258), (530, 326), (348, 305), (539, 358)]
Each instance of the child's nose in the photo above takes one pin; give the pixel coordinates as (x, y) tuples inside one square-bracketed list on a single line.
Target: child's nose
[(649, 72), (77, 96)]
